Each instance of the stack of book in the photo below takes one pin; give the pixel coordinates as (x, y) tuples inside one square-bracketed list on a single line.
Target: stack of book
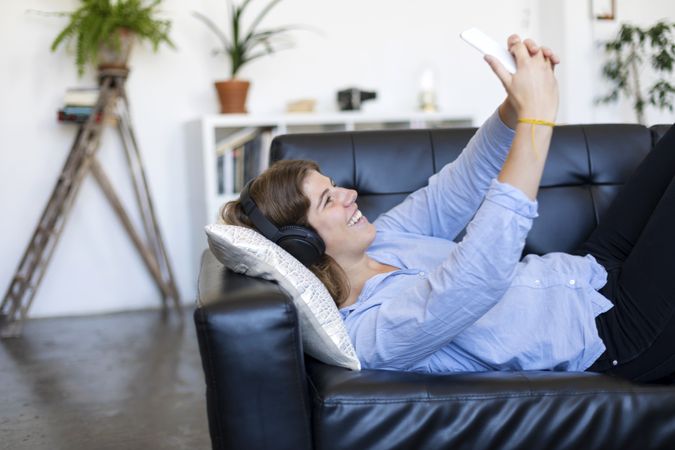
[(241, 156), (78, 104)]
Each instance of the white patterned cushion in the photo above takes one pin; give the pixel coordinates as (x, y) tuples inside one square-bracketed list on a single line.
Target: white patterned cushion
[(245, 251)]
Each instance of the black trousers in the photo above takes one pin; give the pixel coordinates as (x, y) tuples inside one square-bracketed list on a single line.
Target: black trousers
[(635, 242)]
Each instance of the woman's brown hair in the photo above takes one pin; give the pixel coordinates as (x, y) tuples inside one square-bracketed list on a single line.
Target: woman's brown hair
[(278, 194)]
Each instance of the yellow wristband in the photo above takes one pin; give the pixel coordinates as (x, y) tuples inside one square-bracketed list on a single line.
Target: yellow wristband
[(537, 122), (534, 122)]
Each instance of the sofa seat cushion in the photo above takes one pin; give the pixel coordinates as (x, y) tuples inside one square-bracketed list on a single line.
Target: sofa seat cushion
[(394, 410)]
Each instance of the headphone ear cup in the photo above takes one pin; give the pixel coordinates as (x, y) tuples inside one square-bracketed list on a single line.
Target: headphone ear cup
[(301, 242)]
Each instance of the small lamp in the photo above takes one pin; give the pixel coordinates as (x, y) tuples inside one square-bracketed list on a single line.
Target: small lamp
[(427, 95)]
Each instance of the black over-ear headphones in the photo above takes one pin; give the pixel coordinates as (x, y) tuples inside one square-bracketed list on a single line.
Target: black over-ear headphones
[(301, 242)]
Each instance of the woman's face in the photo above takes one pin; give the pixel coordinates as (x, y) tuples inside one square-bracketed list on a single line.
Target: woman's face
[(335, 216)]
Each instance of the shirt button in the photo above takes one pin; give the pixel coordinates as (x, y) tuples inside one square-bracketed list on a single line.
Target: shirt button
[(537, 282), (421, 274), (615, 362), (573, 282)]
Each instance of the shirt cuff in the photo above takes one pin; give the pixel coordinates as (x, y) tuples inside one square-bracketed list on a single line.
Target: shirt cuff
[(499, 130), (512, 198)]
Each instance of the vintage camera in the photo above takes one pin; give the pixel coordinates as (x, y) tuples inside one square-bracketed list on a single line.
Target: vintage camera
[(350, 99)]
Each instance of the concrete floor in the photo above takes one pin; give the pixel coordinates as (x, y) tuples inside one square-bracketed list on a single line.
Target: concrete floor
[(121, 381)]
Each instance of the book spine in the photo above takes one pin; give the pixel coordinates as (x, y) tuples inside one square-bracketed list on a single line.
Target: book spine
[(220, 177), (63, 116), (81, 97), (251, 155), (78, 110)]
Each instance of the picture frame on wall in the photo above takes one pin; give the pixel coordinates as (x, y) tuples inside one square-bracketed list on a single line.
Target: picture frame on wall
[(603, 9)]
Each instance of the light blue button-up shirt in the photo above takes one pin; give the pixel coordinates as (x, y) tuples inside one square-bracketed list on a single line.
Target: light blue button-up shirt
[(474, 305)]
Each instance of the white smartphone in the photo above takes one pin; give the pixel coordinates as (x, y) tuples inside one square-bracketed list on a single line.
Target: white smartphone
[(488, 46)]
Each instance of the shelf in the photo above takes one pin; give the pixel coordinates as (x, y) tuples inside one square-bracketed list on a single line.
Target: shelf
[(338, 121)]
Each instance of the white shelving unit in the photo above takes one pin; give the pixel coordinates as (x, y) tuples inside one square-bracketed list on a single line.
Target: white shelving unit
[(212, 135), (209, 133)]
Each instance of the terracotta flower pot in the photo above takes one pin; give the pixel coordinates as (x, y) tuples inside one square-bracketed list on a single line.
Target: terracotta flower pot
[(111, 56), (232, 95)]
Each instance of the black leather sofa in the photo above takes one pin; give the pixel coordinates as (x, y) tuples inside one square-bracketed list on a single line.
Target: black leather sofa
[(262, 393)]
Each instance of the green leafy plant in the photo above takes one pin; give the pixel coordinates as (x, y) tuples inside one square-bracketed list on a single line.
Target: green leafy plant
[(98, 22), (626, 55), (243, 46)]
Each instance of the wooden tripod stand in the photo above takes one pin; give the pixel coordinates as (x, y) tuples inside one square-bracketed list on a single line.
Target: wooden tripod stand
[(82, 159)]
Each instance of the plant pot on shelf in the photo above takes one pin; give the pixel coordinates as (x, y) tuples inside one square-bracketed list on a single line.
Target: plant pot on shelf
[(115, 54), (232, 95)]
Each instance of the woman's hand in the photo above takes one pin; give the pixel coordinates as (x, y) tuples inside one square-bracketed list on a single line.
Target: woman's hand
[(532, 94), (532, 90)]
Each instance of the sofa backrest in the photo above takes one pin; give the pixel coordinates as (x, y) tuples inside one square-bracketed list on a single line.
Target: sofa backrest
[(586, 166)]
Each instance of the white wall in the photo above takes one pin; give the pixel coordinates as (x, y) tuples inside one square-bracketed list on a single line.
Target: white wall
[(638, 13), (578, 39), (377, 44)]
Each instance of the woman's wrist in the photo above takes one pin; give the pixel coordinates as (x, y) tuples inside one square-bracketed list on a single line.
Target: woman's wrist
[(541, 111), (508, 114)]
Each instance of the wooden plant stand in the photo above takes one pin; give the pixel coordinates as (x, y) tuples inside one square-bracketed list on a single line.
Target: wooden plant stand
[(82, 159)]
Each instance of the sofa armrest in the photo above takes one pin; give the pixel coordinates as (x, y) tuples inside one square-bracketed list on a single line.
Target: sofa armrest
[(249, 340)]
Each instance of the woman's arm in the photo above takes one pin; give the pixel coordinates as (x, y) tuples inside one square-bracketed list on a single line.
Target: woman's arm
[(533, 94), (415, 319), (452, 196), (479, 270), (445, 206)]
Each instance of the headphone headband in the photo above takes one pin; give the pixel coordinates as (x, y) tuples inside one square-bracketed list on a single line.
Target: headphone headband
[(301, 242)]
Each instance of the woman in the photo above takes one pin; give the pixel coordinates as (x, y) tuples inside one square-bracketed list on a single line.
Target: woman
[(412, 299)]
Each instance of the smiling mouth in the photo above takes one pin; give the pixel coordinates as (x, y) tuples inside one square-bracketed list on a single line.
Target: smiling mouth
[(355, 218)]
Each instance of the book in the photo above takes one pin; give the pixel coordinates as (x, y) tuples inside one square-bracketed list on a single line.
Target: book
[(220, 168), (64, 116), (251, 159), (81, 96), (266, 137), (235, 139), (238, 155), (78, 110), (241, 156)]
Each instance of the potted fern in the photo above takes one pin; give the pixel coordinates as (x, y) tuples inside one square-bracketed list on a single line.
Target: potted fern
[(624, 68), (104, 30), (241, 46)]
